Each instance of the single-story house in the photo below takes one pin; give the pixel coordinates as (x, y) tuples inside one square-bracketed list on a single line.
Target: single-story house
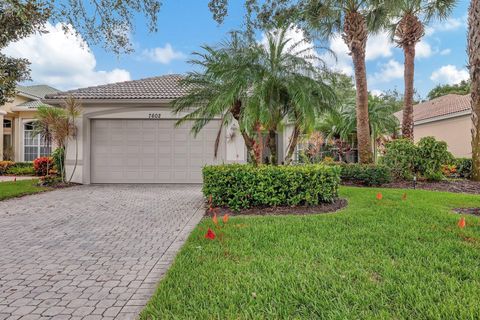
[(17, 142), (128, 134), (447, 118)]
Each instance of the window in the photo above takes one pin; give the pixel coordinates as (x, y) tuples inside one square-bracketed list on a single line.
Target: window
[(34, 147), (7, 123)]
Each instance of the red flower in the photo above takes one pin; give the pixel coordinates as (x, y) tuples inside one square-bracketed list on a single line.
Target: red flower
[(225, 218), (379, 196), (210, 234), (461, 223)]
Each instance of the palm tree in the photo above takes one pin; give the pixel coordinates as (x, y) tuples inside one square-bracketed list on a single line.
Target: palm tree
[(354, 19), (73, 109), (340, 124), (260, 86), (474, 64), (408, 29)]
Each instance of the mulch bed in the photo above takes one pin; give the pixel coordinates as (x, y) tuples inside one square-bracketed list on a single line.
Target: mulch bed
[(457, 185), (272, 211), (471, 211)]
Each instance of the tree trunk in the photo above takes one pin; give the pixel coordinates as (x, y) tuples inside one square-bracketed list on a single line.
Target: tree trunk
[(272, 146), (474, 63), (355, 35), (409, 72), (292, 144)]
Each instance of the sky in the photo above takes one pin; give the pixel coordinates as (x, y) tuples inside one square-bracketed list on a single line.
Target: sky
[(66, 62)]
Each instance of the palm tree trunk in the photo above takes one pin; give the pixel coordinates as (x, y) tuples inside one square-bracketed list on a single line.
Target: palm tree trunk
[(355, 35), (272, 146), (292, 144), (409, 72), (474, 63)]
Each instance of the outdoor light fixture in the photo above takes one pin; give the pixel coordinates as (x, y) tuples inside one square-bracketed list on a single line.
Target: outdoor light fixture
[(415, 181)]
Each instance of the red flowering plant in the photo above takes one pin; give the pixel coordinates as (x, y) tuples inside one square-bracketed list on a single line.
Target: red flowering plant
[(42, 166), (213, 211)]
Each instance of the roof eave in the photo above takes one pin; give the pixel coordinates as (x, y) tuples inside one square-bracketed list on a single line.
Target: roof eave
[(443, 117), (59, 101)]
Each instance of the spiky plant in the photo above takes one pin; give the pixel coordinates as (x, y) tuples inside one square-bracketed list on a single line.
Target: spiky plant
[(73, 110)]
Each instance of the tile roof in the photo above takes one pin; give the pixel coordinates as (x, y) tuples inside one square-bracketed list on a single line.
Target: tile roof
[(34, 104), (161, 87), (36, 91), (441, 106)]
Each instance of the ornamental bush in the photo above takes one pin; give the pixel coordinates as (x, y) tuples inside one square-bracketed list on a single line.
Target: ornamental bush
[(5, 165), (40, 165), (400, 157), (365, 174), (240, 186), (463, 167), (431, 155)]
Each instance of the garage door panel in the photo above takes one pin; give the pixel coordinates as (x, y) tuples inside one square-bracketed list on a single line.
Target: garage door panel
[(149, 151)]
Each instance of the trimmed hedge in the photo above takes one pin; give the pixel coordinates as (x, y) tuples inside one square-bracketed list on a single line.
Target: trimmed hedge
[(240, 186), (365, 174)]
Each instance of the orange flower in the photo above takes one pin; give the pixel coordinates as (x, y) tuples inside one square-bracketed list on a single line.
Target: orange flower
[(461, 223), (225, 218), (379, 196), (214, 219)]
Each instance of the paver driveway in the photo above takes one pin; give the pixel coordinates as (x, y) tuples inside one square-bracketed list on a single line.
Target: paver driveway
[(90, 252)]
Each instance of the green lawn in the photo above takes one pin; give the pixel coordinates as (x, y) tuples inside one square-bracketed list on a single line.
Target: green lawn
[(388, 259), (19, 188)]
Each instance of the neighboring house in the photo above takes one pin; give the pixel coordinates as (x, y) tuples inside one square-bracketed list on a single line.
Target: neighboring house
[(17, 141), (127, 134), (446, 118)]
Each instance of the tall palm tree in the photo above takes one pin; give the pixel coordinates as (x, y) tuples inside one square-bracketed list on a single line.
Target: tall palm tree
[(73, 110), (410, 18), (474, 64), (260, 86), (354, 19)]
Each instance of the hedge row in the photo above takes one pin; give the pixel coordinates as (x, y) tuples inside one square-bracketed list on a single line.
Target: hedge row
[(365, 174), (240, 186)]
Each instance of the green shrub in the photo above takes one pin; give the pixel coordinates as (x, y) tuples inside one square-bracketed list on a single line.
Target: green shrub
[(463, 167), (365, 174), (21, 170), (58, 156), (400, 157), (239, 186), (5, 165), (431, 155)]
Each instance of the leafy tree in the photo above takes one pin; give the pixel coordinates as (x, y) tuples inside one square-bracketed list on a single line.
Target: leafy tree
[(441, 90), (408, 29), (260, 86), (474, 65)]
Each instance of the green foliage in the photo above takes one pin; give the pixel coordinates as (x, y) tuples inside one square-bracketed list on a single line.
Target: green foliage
[(400, 156), (365, 174), (21, 170), (442, 90), (5, 165), (463, 167), (58, 156), (431, 155), (19, 188), (240, 186)]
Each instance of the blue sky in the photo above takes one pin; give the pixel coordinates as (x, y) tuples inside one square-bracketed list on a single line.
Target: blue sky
[(183, 26)]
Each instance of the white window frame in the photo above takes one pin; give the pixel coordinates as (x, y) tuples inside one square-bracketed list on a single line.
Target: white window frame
[(38, 145)]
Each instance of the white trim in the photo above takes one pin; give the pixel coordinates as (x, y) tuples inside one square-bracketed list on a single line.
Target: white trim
[(444, 117)]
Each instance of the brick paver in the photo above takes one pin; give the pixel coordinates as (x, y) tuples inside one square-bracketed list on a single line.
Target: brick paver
[(91, 252)]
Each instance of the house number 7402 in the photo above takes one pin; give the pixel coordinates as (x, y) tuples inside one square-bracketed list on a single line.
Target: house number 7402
[(154, 116)]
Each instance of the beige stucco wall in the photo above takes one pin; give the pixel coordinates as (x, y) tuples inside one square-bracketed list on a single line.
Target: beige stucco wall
[(454, 131), (16, 101)]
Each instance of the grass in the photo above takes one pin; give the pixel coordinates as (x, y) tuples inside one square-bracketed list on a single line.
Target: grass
[(387, 259), (19, 188)]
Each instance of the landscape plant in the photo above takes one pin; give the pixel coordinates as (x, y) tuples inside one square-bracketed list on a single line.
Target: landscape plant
[(431, 155), (401, 158)]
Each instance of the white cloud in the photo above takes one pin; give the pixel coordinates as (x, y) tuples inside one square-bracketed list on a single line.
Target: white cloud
[(388, 71), (377, 92), (343, 61), (423, 50), (164, 55), (449, 74), (62, 61), (450, 24), (445, 52), (379, 46)]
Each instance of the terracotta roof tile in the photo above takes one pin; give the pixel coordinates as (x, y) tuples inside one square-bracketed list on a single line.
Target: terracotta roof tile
[(161, 87), (441, 106)]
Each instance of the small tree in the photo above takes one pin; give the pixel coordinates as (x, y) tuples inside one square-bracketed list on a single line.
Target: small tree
[(73, 110)]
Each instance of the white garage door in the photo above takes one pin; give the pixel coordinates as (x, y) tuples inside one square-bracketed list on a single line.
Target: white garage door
[(150, 151)]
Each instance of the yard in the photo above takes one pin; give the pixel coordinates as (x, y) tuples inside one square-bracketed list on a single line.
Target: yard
[(13, 189), (390, 258)]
